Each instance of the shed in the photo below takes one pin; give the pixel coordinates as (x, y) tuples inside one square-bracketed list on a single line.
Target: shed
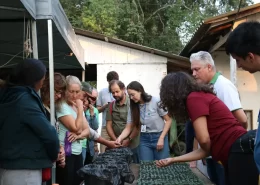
[(131, 61)]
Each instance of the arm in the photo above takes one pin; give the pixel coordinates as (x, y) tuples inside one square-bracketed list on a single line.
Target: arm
[(240, 115), (134, 133), (125, 133), (230, 96), (202, 135), (86, 129), (167, 125), (109, 127), (34, 117), (109, 144), (82, 135), (70, 123), (102, 108), (110, 130)]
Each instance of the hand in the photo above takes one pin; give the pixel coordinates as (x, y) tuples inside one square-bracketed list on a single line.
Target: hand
[(62, 162), (79, 104), (61, 157), (106, 105), (164, 162), (113, 144), (119, 140), (96, 149), (72, 137), (91, 109), (193, 164), (61, 153), (160, 144), (126, 142)]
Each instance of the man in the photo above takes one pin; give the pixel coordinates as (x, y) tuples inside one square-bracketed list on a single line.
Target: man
[(105, 97), (90, 92), (243, 44), (117, 117), (204, 71)]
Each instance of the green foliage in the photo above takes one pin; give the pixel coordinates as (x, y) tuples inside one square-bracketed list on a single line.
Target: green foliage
[(162, 24)]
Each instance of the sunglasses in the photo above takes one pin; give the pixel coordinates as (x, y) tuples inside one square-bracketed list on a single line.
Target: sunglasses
[(90, 97)]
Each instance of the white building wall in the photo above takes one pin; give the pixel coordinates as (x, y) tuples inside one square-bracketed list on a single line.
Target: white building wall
[(130, 64), (149, 75), (247, 84)]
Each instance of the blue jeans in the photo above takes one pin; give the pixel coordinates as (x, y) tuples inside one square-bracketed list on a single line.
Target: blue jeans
[(135, 151), (216, 172), (84, 150), (148, 144)]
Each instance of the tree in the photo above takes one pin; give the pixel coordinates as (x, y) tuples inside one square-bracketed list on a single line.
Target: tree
[(162, 24)]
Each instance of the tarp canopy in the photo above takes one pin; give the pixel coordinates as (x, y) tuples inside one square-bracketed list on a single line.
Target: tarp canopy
[(14, 16)]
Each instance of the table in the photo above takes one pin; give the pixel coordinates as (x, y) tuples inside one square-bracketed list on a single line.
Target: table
[(203, 178)]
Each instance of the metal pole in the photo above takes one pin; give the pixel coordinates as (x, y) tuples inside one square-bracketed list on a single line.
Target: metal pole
[(233, 70), (34, 40), (83, 75), (51, 76)]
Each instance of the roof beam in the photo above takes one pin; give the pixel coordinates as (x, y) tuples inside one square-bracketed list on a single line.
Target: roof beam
[(12, 8), (220, 42)]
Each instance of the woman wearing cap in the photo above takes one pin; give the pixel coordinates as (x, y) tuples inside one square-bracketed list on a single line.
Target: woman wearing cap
[(153, 122), (28, 142), (218, 132)]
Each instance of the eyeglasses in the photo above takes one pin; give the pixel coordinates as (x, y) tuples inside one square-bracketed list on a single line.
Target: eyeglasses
[(58, 91)]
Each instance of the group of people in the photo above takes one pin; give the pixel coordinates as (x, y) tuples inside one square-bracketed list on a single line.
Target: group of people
[(212, 105), (208, 102), (30, 143)]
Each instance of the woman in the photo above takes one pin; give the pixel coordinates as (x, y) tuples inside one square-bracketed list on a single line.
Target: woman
[(153, 121), (89, 147), (216, 129), (59, 89), (71, 119), (28, 142)]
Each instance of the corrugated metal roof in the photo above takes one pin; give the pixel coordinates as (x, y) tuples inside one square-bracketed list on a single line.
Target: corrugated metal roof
[(213, 28), (172, 58)]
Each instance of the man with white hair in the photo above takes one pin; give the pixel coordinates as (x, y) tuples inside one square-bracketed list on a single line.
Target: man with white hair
[(204, 71)]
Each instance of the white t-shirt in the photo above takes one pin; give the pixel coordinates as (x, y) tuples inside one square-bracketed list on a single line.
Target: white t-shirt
[(228, 93), (103, 98)]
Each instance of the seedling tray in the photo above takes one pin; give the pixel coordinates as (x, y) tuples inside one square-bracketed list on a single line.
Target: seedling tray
[(176, 174)]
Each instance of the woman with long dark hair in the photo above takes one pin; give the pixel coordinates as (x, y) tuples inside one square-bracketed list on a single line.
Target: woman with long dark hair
[(154, 123), (216, 129)]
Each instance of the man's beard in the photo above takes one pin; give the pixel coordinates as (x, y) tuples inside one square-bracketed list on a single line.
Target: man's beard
[(118, 99)]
